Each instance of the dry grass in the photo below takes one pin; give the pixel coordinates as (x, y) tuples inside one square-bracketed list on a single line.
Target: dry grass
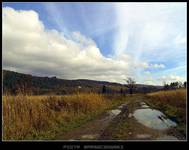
[(173, 103), (25, 116), (176, 98)]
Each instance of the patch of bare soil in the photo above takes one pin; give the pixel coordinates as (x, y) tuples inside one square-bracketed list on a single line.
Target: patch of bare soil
[(126, 127), (91, 130), (119, 124)]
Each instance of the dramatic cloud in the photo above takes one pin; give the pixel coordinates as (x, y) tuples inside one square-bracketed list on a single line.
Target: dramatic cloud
[(140, 45), (149, 25), (29, 47), (154, 33)]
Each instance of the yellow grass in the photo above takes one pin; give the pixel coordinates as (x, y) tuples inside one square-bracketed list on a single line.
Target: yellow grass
[(24, 116), (172, 103), (176, 98)]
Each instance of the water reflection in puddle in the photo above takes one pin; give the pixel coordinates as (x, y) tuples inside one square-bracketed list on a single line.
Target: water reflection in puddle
[(143, 105), (153, 118), (115, 112)]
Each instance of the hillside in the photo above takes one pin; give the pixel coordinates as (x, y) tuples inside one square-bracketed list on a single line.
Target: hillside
[(14, 82)]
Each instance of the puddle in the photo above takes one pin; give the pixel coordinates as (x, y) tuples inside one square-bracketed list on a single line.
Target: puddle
[(89, 136), (115, 112), (122, 106), (153, 118), (143, 105), (130, 115), (143, 136)]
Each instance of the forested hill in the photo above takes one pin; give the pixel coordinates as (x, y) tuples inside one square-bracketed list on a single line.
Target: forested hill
[(14, 82)]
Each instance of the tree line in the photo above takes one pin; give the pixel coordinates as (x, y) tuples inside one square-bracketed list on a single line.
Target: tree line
[(131, 87), (174, 85)]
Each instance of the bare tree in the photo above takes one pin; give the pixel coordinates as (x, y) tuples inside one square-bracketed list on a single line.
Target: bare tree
[(130, 84)]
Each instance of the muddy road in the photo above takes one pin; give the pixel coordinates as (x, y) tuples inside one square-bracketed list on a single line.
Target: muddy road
[(134, 120)]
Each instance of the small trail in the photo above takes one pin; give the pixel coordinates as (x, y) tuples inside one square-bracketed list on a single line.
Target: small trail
[(126, 126), (107, 124), (93, 129)]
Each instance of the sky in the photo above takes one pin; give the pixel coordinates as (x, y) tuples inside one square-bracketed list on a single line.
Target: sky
[(98, 41)]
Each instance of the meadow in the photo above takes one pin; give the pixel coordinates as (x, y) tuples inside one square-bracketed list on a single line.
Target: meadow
[(29, 117), (42, 117), (173, 103)]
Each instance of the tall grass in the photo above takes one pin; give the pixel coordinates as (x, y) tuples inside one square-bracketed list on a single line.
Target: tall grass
[(173, 103), (176, 98), (27, 116)]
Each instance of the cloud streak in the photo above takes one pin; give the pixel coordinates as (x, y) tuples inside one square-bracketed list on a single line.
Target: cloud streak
[(139, 45)]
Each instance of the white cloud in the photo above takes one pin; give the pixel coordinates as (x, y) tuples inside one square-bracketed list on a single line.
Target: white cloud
[(149, 78), (180, 40), (30, 48), (147, 73), (171, 78), (149, 30), (156, 66), (150, 66), (153, 32)]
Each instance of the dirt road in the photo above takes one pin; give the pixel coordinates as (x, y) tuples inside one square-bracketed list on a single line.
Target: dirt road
[(121, 124)]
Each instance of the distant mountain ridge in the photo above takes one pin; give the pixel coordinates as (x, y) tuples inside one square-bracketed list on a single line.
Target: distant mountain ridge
[(14, 82)]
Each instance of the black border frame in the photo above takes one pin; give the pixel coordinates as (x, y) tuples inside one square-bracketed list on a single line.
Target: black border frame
[(82, 144)]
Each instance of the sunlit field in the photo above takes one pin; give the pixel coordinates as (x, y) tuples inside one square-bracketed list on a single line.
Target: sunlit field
[(42, 117), (38, 117), (29, 115)]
